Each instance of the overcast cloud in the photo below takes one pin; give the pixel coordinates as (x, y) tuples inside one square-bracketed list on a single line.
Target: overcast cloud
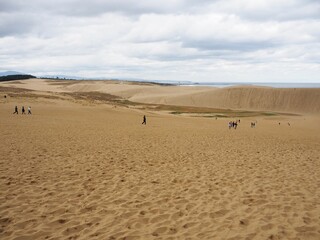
[(197, 40)]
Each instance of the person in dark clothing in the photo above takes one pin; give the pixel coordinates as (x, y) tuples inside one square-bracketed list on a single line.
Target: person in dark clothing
[(23, 111), (144, 120), (16, 110)]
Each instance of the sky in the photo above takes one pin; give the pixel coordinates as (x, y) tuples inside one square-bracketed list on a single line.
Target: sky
[(182, 40)]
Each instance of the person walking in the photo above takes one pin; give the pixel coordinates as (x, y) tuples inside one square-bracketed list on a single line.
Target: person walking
[(23, 111), (144, 120), (29, 110), (15, 110)]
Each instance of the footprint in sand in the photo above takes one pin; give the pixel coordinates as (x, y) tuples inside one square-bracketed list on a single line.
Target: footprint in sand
[(159, 218), (159, 231), (268, 226), (219, 213)]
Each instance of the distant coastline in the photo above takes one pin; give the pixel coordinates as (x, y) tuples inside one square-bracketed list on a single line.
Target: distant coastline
[(12, 76), (227, 84)]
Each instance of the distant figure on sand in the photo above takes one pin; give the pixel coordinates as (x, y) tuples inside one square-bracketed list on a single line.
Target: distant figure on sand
[(23, 111), (144, 120), (29, 110), (233, 125), (15, 110)]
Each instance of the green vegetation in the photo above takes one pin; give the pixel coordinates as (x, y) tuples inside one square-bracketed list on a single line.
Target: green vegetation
[(15, 77)]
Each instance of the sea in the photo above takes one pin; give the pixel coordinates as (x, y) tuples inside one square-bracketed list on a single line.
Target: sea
[(230, 84), (210, 84)]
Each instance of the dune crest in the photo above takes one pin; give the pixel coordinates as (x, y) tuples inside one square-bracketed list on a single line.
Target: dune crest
[(253, 98)]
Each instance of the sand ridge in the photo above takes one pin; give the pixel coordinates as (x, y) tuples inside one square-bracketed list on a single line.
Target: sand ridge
[(238, 97)]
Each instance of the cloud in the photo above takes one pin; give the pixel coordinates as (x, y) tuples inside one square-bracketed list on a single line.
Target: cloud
[(16, 24), (179, 39), (281, 10), (262, 9), (221, 32), (93, 7)]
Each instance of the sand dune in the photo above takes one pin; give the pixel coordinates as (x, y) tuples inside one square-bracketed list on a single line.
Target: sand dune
[(242, 97), (77, 170), (261, 99), (239, 97)]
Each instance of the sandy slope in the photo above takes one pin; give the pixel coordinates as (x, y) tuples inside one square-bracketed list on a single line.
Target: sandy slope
[(265, 99), (240, 97), (71, 171)]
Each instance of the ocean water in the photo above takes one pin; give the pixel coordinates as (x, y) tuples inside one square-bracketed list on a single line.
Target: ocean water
[(264, 84)]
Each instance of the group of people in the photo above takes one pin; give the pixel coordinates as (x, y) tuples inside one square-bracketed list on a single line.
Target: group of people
[(23, 111), (234, 124)]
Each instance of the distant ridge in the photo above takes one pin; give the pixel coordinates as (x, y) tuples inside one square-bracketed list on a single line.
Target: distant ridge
[(15, 77)]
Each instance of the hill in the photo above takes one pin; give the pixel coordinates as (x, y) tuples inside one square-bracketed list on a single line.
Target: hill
[(15, 77)]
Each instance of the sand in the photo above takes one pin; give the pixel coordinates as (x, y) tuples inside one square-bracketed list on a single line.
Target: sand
[(256, 98), (87, 169)]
